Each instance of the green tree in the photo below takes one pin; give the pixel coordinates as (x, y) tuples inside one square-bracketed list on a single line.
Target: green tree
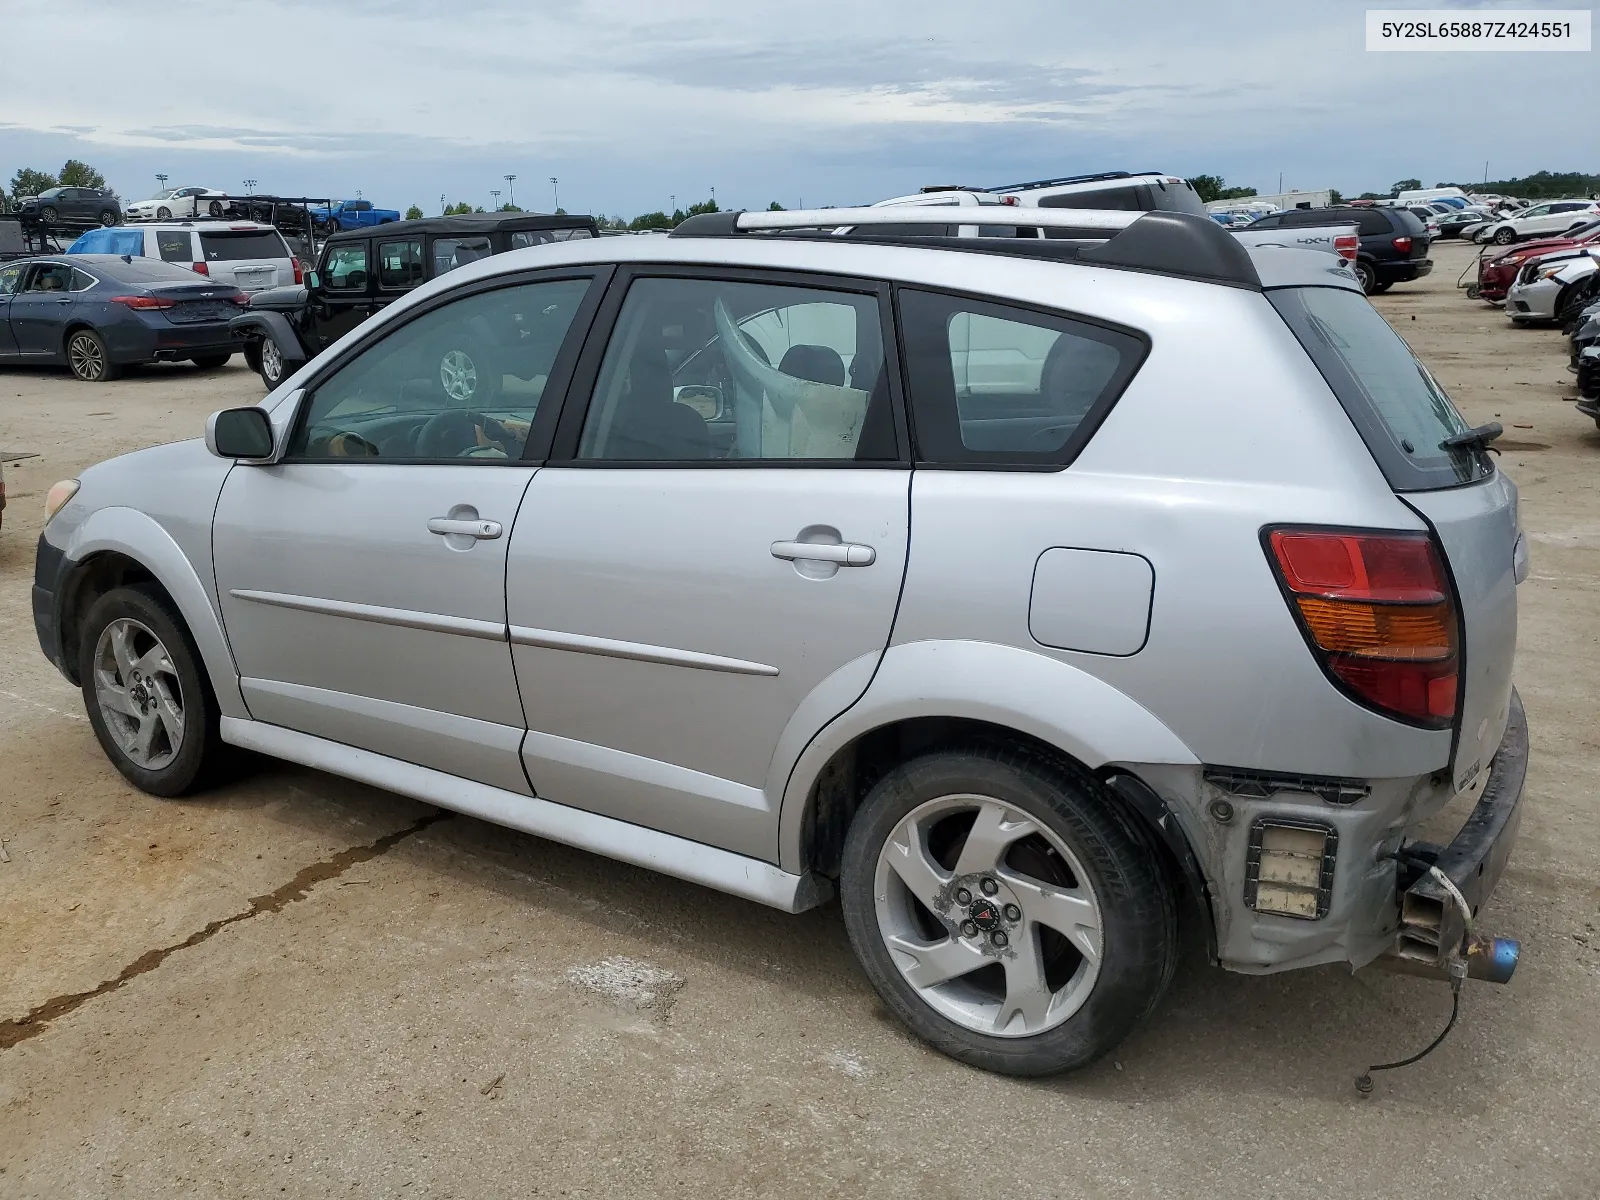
[(654, 220), (28, 182), (1541, 185), (510, 208), (776, 207), (460, 210), (1335, 196), (1208, 187), (414, 213), (80, 174), (705, 206), (1405, 185)]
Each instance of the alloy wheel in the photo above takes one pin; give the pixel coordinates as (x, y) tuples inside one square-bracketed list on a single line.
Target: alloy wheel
[(271, 362), (164, 214), (137, 689), (86, 356), (48, 215), (988, 915), (458, 375), (108, 219)]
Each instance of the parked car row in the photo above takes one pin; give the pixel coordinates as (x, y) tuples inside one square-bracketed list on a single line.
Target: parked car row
[(1393, 245)]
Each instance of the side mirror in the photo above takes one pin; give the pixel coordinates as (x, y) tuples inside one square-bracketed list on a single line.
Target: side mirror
[(312, 281), (240, 433), (704, 398)]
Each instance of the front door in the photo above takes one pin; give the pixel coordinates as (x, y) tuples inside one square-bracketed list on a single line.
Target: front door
[(714, 553), (343, 297), (39, 310), (10, 278), (362, 578)]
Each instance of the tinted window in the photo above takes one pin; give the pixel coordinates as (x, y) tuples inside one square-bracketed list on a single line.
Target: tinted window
[(1399, 408), (345, 269), (539, 237), (175, 245), (998, 385), (1310, 217), (1267, 223), (460, 382), (704, 370), (900, 231), (1122, 198), (400, 264), (235, 245), (1406, 223), (9, 278), (1373, 222), (450, 253), (82, 281)]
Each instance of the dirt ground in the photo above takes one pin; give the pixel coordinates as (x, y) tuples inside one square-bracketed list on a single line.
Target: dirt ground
[(302, 986)]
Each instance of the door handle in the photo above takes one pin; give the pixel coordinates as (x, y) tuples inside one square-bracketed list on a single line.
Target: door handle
[(847, 554), (484, 531), (67, 300)]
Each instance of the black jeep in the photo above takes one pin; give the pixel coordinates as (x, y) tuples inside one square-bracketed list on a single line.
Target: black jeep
[(362, 270)]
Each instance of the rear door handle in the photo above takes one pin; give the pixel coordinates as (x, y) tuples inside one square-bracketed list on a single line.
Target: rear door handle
[(847, 554), (484, 531)]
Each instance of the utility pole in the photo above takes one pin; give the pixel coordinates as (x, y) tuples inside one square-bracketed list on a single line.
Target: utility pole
[(495, 192), (511, 182), (555, 192), (1280, 183), (713, 197), (1485, 172)]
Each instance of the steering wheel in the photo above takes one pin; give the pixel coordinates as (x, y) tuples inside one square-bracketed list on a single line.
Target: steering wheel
[(455, 431)]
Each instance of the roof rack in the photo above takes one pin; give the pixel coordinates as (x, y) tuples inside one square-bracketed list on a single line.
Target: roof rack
[(1098, 177), (1166, 243)]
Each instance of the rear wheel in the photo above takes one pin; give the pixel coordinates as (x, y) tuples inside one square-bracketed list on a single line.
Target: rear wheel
[(252, 356), (1368, 278), (215, 208), (334, 226), (86, 355), (210, 362), (1379, 288), (108, 218), (1505, 236), (272, 365), (148, 702), (1007, 909)]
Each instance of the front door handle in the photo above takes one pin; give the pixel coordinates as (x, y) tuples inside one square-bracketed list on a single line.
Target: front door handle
[(846, 554), (484, 531)]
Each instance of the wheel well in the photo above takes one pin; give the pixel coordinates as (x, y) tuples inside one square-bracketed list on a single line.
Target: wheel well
[(93, 578), (72, 328), (847, 777)]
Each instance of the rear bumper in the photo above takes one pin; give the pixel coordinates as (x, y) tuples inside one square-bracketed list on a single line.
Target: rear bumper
[(1431, 924), (142, 342), (1402, 272)]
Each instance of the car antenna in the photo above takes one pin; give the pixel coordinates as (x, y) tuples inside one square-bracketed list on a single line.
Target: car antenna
[(1478, 437), (127, 258)]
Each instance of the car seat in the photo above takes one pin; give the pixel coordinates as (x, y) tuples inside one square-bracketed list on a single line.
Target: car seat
[(648, 423)]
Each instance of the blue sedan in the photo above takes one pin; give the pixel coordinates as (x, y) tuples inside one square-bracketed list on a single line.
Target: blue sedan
[(98, 313)]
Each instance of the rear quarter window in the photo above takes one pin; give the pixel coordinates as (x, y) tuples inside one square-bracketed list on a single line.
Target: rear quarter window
[(1396, 405)]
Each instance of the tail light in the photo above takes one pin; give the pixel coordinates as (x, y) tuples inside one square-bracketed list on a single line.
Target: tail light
[(1345, 245), (1378, 612), (242, 299), (200, 268), (299, 273), (1403, 244), (142, 301)]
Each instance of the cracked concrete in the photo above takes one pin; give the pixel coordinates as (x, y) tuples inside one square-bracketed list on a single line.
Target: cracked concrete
[(414, 1033)]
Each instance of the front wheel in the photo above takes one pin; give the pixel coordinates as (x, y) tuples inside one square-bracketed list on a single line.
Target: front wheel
[(272, 365), (1368, 277), (163, 214), (1007, 909), (48, 214), (334, 226), (148, 702), (1504, 237), (88, 358)]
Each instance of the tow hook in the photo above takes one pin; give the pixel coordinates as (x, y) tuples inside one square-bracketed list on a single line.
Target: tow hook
[(1477, 956)]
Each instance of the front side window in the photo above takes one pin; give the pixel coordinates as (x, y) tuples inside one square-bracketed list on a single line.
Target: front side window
[(175, 245), (462, 381), (701, 370), (346, 268), (450, 253), (9, 278), (400, 264), (992, 384)]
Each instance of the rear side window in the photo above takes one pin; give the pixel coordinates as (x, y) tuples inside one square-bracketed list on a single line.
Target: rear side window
[(1001, 386), (237, 245), (1399, 409), (1120, 198), (400, 264), (523, 238), (1408, 223), (82, 281), (1370, 222), (175, 245), (450, 253)]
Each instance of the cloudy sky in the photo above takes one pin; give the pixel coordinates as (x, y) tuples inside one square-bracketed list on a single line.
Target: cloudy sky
[(629, 102)]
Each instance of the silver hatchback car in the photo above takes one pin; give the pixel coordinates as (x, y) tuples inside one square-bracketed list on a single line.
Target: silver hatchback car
[(1020, 592)]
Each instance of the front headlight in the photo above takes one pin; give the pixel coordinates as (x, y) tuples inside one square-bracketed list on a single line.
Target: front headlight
[(1547, 272), (58, 495)]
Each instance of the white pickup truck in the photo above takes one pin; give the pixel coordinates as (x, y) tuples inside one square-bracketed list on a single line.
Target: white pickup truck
[(1340, 240)]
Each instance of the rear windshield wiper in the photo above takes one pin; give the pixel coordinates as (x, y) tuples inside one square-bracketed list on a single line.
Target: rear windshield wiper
[(1473, 439)]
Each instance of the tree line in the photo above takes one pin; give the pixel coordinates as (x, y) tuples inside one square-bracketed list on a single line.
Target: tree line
[(30, 182)]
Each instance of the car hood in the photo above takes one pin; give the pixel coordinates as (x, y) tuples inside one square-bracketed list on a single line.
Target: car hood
[(280, 299)]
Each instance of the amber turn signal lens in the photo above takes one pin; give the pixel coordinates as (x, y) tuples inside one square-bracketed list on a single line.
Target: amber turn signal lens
[(58, 495), (1422, 632)]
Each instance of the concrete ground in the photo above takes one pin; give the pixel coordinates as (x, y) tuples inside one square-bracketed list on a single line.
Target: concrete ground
[(301, 986)]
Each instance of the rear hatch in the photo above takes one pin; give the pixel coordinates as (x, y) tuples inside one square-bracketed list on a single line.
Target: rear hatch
[(1404, 416), (249, 258), (1413, 228)]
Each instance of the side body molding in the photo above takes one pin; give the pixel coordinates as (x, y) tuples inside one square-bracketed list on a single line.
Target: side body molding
[(130, 532), (1032, 693)]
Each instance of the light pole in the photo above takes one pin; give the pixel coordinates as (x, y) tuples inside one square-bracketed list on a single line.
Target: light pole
[(555, 193), (713, 197), (495, 192), (162, 180), (674, 198), (442, 205), (249, 187), (511, 182)]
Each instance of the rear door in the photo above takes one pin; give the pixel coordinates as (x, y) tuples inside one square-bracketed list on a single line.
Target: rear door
[(40, 308), (714, 552), (400, 268)]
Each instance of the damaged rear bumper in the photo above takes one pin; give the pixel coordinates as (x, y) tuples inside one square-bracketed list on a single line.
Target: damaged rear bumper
[(1432, 926)]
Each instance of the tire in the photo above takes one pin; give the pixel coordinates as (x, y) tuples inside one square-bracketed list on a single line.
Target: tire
[(48, 214), (215, 208), (272, 367), (467, 375), (146, 694), (88, 357), (1368, 278), (1079, 855), (252, 356), (334, 226), (163, 214), (109, 218), (1379, 288), (1505, 236), (210, 362)]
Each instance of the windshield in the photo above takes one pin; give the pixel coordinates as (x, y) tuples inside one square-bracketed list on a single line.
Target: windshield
[(1400, 410), (165, 194)]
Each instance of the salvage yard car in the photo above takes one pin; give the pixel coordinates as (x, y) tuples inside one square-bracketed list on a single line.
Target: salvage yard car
[(1546, 286), (178, 202), (99, 313), (360, 273), (1020, 591), (250, 256)]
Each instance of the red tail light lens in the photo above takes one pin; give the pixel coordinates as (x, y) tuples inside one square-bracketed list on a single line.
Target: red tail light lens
[(142, 301), (299, 273), (242, 299), (1377, 610), (200, 268), (1403, 244), (1345, 245)]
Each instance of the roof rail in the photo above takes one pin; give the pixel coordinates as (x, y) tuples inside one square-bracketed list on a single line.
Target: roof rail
[(1168, 243), (1065, 179)]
